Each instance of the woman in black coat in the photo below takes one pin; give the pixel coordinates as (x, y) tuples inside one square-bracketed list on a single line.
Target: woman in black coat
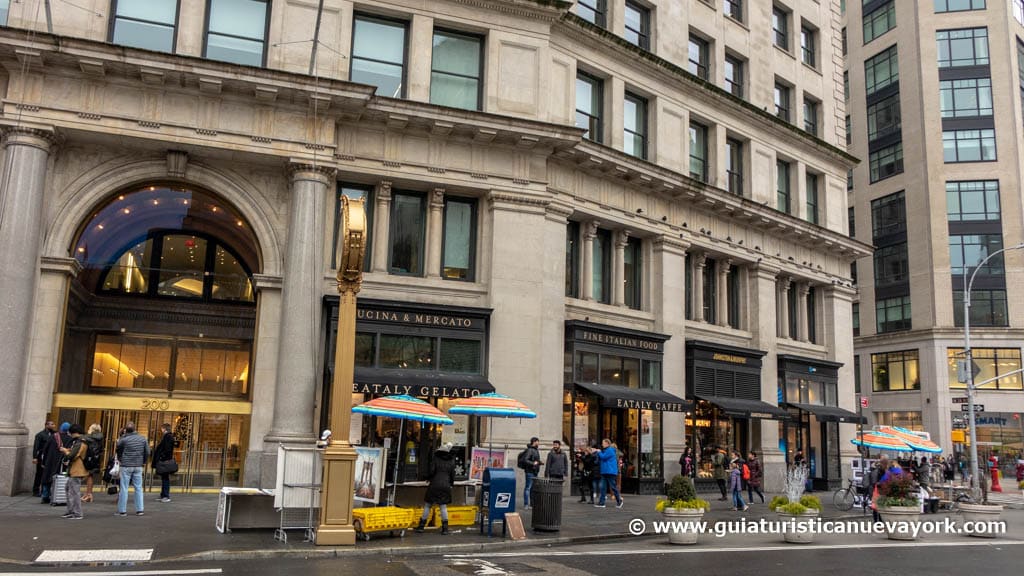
[(442, 478)]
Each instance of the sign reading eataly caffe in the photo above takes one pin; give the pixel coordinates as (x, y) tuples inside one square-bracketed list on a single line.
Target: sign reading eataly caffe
[(415, 390), (650, 405)]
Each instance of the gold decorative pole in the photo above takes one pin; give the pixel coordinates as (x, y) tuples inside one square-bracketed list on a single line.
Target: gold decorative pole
[(339, 458)]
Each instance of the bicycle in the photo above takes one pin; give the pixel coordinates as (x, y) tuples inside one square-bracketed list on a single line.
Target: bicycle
[(852, 494)]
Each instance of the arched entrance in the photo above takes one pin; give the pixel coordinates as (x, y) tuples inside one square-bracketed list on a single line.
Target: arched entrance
[(160, 327)]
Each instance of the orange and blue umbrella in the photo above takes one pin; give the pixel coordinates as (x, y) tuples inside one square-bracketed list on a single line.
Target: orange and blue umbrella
[(403, 407), (492, 404), (880, 441), (915, 441)]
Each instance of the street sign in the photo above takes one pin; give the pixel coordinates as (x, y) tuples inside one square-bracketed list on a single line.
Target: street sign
[(959, 400), (977, 407), (961, 370), (863, 401)]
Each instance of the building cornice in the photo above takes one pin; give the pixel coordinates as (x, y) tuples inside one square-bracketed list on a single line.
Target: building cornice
[(545, 10)]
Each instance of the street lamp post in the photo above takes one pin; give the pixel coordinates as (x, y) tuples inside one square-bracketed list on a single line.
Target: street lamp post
[(968, 285)]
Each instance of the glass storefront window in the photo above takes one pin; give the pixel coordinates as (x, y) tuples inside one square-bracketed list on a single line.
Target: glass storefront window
[(204, 366), (214, 366), (130, 274), (993, 363), (586, 367), (650, 444), (908, 420), (652, 375), (129, 362), (230, 282), (406, 352), (182, 261), (366, 349), (611, 370), (461, 356)]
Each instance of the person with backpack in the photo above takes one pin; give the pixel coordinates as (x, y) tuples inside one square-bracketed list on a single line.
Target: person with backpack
[(718, 470), (93, 459), (736, 485), (164, 451), (529, 461), (75, 454), (754, 475)]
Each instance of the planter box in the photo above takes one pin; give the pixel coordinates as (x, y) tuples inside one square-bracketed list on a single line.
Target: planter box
[(980, 513), (901, 517), (798, 528), (688, 520)]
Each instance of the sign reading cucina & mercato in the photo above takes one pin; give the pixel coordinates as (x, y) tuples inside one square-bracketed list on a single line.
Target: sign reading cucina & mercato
[(418, 318)]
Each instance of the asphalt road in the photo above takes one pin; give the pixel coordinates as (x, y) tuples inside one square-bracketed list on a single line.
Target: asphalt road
[(617, 559)]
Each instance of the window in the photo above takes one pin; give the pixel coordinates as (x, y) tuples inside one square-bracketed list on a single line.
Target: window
[(733, 296), (710, 291), (856, 373), (853, 272), (849, 180), (354, 192), (879, 21), (969, 145), (849, 131), (909, 420), (892, 266), (807, 51), (734, 165), (378, 55), (780, 28), (688, 285), (968, 47), (782, 186), (572, 259), (884, 118), (812, 198), (697, 63), (966, 98), (895, 371), (237, 31), (408, 233), (1018, 10), (988, 307), (791, 304), (455, 70), (698, 152), (812, 315), (966, 250), (733, 9), (166, 363), (634, 141), (994, 362), (851, 222), (892, 314), (589, 96), (602, 266), (886, 162), (810, 116), (734, 76), (888, 215), (881, 71), (782, 101), (592, 11), (638, 25), (846, 85), (5, 6), (459, 252), (148, 24), (958, 5), (973, 201), (633, 270), (845, 43), (855, 318)]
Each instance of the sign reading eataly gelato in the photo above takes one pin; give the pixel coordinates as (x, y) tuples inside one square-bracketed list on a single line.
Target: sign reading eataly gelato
[(421, 390)]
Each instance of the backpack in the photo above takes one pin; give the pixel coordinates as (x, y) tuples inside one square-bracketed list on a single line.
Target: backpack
[(521, 461), (93, 455), (746, 471)]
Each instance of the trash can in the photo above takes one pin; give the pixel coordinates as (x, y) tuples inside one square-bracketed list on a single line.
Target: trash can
[(546, 499)]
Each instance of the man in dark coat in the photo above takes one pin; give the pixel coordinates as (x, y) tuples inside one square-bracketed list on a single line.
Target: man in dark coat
[(53, 459), (38, 451), (442, 478), (164, 451)]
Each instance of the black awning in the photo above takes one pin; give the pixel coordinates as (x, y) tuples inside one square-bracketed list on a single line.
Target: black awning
[(744, 408), (426, 383), (640, 398), (831, 413)]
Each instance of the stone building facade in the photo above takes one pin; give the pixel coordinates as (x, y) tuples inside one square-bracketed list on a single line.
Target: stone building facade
[(641, 238)]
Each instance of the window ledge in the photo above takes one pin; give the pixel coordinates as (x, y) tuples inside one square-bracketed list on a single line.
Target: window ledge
[(384, 285), (784, 51), (811, 68), (798, 347), (738, 23), (576, 308), (716, 333)]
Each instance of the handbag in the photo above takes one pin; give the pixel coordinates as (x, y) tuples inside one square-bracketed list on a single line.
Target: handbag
[(115, 470), (168, 466)]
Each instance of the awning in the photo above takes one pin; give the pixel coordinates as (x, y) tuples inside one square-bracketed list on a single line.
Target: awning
[(423, 383), (747, 408), (639, 398), (830, 413)]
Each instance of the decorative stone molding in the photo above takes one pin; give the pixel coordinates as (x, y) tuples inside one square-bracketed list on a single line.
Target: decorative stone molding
[(60, 265), (700, 260), (266, 282), (671, 244), (590, 230), (503, 197), (437, 198), (177, 163), (383, 191), (621, 239)]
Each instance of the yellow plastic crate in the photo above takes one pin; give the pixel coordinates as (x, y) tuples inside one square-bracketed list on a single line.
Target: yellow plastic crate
[(457, 516), (384, 518)]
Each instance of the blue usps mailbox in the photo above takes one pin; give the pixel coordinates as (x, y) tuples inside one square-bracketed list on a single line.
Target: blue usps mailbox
[(498, 497)]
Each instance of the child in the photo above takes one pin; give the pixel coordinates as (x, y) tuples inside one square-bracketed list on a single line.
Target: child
[(736, 485)]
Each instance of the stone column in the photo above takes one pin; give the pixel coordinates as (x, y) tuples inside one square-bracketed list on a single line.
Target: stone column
[(783, 328), (801, 311), (699, 262), (302, 290), (619, 274), (435, 230), (723, 292), (589, 233), (668, 282), (421, 44), (381, 226), (764, 294), (837, 337), (23, 178)]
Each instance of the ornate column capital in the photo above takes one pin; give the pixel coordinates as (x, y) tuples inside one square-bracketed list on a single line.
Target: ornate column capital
[(802, 289), (306, 171), (437, 198), (42, 138), (383, 191), (784, 280), (724, 266), (590, 230), (700, 259), (621, 239)]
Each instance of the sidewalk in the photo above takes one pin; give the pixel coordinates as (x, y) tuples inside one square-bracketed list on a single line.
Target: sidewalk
[(184, 529)]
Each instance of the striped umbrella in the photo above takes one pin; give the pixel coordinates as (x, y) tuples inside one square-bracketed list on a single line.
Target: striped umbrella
[(880, 441), (915, 441), (492, 404)]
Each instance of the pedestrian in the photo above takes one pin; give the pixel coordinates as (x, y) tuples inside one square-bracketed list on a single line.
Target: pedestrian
[(585, 465), (686, 463), (756, 477), (924, 475), (595, 472), (38, 450), (798, 458), (132, 452), (53, 458), (609, 459), (1020, 468), (75, 454), (439, 491), (557, 464), (736, 485), (718, 469), (164, 451), (93, 441), (873, 480), (529, 461)]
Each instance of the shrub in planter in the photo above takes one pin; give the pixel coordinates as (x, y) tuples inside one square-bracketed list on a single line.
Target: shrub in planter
[(776, 502), (809, 501), (684, 507), (899, 505)]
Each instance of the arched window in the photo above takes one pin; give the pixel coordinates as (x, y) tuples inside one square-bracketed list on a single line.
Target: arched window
[(160, 241)]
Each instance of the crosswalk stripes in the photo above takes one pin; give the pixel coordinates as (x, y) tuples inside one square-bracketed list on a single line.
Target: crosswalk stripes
[(93, 555)]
